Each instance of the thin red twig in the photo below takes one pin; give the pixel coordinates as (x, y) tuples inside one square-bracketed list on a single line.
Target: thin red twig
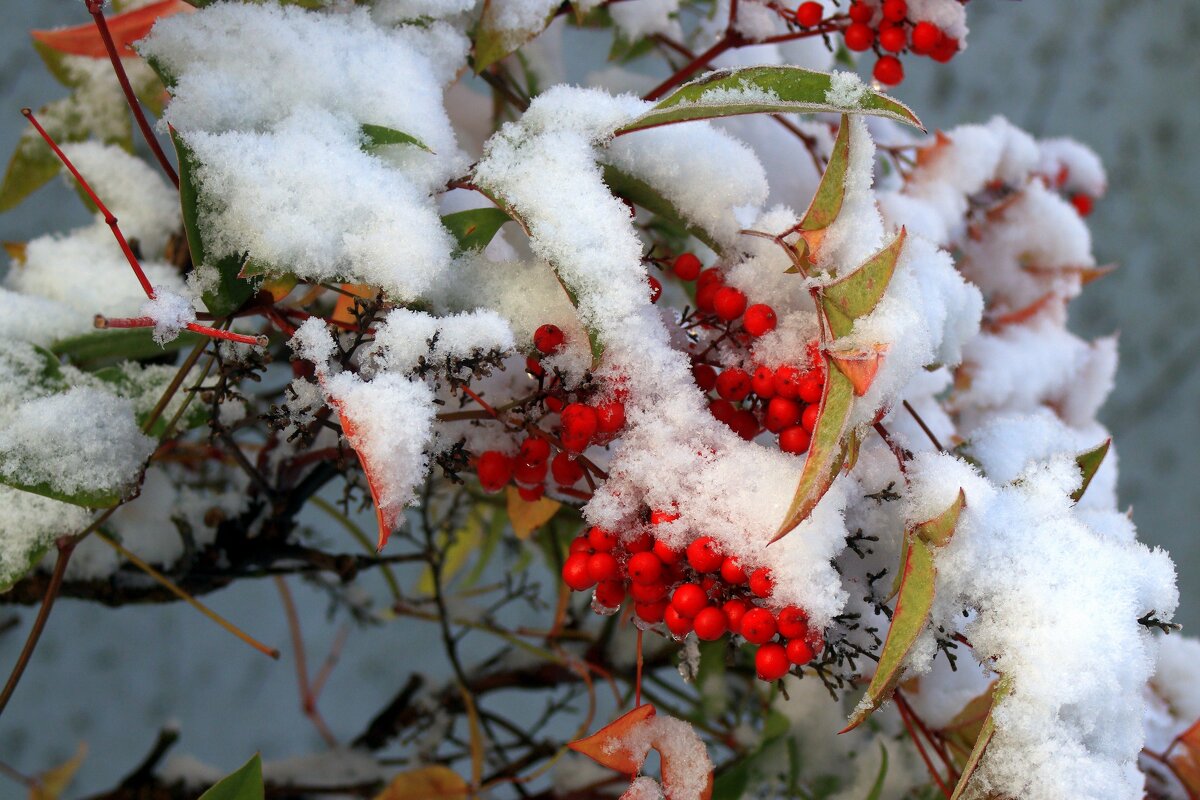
[(102, 321), (908, 725)]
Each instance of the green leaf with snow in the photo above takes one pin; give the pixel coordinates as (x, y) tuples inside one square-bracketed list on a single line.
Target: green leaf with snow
[(767, 90), (492, 43), (102, 347), (935, 532), (33, 164), (244, 784), (100, 498), (1089, 463), (144, 387), (231, 291), (1002, 690), (857, 293), (827, 202), (475, 228), (378, 136), (643, 194)]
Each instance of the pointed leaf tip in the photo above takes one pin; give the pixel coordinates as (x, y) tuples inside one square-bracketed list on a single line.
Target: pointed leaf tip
[(598, 746), (1089, 464)]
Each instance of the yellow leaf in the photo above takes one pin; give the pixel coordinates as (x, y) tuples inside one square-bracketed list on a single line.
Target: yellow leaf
[(526, 517), (15, 250), (53, 782), (426, 783)]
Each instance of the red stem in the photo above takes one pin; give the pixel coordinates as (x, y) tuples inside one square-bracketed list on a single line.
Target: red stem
[(902, 708), (95, 8), (102, 321)]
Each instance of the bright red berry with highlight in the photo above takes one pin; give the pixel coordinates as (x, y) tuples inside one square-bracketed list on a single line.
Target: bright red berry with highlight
[(799, 652), (809, 418), (782, 413), (650, 612), (763, 382), (580, 544), (895, 10), (1083, 204), (494, 470), (925, 37), (793, 623), (893, 38), (530, 473), (706, 296), (610, 594), (889, 71), (760, 319), (705, 376), (704, 555), (944, 50), (677, 623), (610, 416), (710, 277), (809, 14), (771, 662), (534, 450), (729, 303), (686, 267), (734, 384), (689, 599), (648, 592), (732, 572), (603, 567), (644, 568), (710, 624), (575, 572), (723, 410), (735, 610), (794, 440), (565, 471), (548, 338), (758, 626), (579, 424), (655, 288), (859, 37), (643, 543), (861, 12), (535, 369), (666, 554), (811, 386), (787, 381), (761, 583), (601, 539)]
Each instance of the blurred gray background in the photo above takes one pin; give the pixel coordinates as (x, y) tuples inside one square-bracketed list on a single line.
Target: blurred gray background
[(1121, 76)]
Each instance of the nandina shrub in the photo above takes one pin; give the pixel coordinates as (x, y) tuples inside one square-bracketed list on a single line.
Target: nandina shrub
[(737, 391)]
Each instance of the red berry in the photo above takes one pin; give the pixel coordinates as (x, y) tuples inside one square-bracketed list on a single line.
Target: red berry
[(723, 410), (787, 381), (733, 384), (650, 612), (763, 382), (666, 554), (610, 416), (925, 37), (710, 277), (809, 418), (759, 319), (655, 288), (660, 517), (859, 36), (579, 423), (810, 14), (705, 295), (794, 440), (811, 386), (603, 567), (644, 568), (895, 10), (600, 539), (575, 572), (554, 403), (735, 611), (494, 470), (534, 450), (771, 662), (704, 555), (761, 583), (893, 39), (610, 594), (799, 652), (535, 369), (689, 599), (758, 626), (580, 544), (744, 424), (686, 267), (530, 474), (889, 71), (944, 50), (677, 623), (816, 641), (705, 376), (793, 623), (647, 592), (565, 471), (1083, 203), (710, 624), (548, 338), (729, 303), (861, 12), (781, 413), (641, 544), (732, 572)]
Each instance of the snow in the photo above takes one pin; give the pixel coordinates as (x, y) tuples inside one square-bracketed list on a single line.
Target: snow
[(635, 20), (171, 314), (846, 90), (28, 524)]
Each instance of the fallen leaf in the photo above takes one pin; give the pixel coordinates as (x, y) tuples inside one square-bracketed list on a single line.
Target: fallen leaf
[(526, 517), (53, 782)]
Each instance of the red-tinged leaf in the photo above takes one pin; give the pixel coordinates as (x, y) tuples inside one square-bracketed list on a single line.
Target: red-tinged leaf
[(999, 323), (1185, 761), (859, 366), (387, 520), (908, 621), (1089, 463), (938, 531), (825, 452), (1086, 274), (856, 294), (962, 732), (986, 731), (127, 28), (827, 202), (607, 746)]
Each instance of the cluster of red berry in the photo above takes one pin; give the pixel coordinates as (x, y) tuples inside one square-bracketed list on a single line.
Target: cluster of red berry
[(698, 590), (726, 303), (885, 27)]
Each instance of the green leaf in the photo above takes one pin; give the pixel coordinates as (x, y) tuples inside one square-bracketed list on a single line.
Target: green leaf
[(493, 43), (877, 788), (1089, 462), (643, 194), (856, 294), (231, 290), (935, 532), (33, 164), (732, 783), (145, 386), (908, 620), (827, 202), (85, 498), (761, 90), (1003, 689), (826, 451), (378, 136), (474, 228), (244, 784), (97, 348)]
